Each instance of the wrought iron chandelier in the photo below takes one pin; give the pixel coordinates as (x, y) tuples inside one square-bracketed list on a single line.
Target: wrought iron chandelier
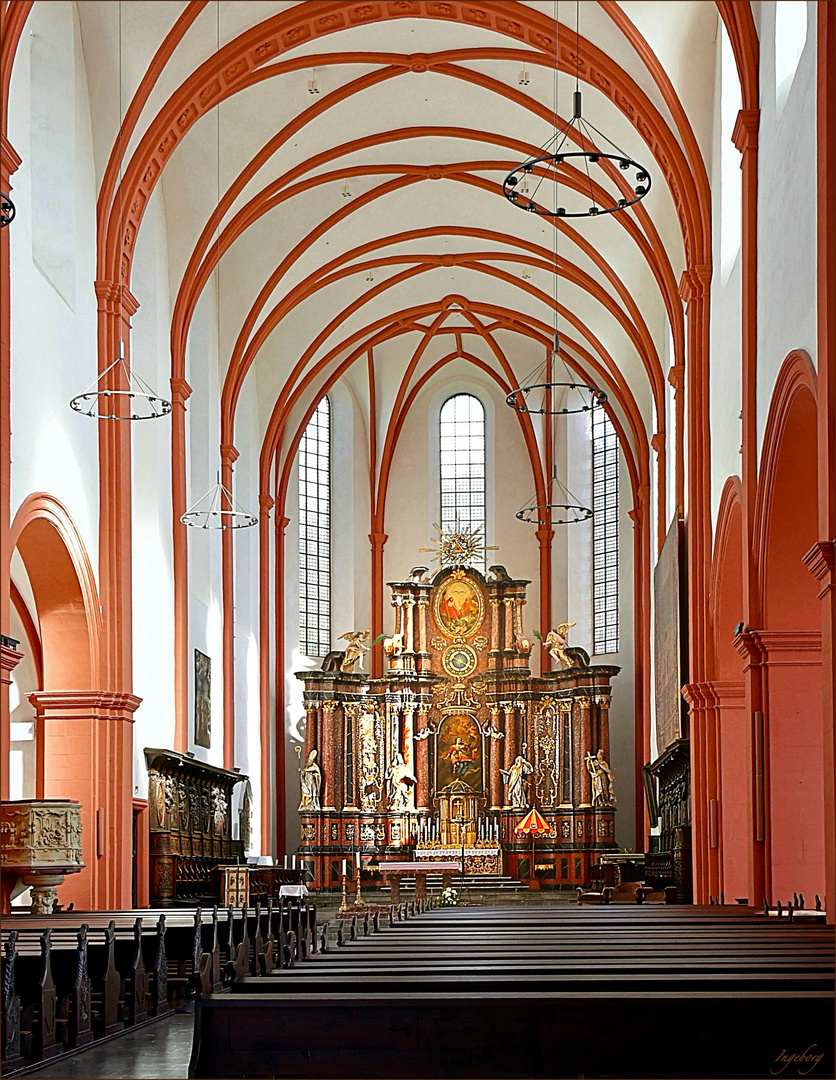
[(218, 510), (539, 394), (7, 211), (104, 403), (591, 199), (557, 500)]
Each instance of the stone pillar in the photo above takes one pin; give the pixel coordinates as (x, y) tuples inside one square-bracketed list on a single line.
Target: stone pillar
[(327, 754), (496, 798), (409, 620)]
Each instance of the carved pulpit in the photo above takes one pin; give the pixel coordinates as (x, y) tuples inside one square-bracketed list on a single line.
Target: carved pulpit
[(458, 737)]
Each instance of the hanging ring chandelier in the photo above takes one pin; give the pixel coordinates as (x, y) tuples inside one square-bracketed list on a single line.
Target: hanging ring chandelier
[(540, 394), (141, 401), (546, 166), (7, 211), (558, 507), (218, 510)]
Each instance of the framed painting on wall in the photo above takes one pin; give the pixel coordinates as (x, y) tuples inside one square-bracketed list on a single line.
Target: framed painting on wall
[(202, 699)]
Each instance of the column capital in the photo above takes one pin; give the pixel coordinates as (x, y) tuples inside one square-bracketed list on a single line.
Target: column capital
[(820, 560), (266, 503), (86, 704), (657, 441), (180, 391), (378, 540), (676, 377), (10, 160), (9, 659), (745, 133), (694, 282), (228, 454)]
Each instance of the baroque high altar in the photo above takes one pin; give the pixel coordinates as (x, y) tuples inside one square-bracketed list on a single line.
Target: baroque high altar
[(456, 742)]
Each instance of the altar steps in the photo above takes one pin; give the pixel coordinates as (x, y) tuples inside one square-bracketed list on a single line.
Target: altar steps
[(481, 883)]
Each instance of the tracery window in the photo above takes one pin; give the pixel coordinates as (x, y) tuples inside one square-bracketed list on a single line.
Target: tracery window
[(315, 534), (604, 534), (462, 454)]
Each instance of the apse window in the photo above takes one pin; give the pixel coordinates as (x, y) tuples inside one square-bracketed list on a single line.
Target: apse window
[(462, 454), (315, 534), (604, 534)]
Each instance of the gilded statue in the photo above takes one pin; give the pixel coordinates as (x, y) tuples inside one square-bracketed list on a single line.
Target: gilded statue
[(515, 782), (311, 780), (354, 649), (557, 641), (602, 779)]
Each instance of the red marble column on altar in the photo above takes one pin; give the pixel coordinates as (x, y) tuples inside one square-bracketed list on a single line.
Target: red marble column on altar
[(310, 729), (509, 624), (565, 735), (510, 737), (422, 765), (495, 777), (581, 739), (327, 744)]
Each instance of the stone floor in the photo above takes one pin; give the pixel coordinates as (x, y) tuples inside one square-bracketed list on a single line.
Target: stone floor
[(157, 1051), (161, 1049)]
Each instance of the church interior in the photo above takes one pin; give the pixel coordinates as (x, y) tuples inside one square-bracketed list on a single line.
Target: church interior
[(418, 459)]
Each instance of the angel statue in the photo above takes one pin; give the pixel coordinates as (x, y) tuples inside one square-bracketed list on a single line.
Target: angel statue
[(556, 642), (354, 649), (311, 780)]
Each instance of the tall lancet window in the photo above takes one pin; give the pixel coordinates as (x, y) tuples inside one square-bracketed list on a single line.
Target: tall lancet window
[(462, 445), (604, 533), (315, 534)]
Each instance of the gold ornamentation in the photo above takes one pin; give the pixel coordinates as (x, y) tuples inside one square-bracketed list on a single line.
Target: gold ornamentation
[(460, 545), (459, 661), (557, 642), (480, 643)]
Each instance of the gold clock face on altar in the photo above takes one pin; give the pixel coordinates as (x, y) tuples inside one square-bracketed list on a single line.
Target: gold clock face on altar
[(458, 606), (459, 661)]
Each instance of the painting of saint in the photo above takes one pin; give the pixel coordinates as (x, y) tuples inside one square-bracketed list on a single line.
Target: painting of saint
[(458, 608), (459, 753)]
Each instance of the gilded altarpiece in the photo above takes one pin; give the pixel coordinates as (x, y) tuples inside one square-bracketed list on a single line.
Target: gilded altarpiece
[(450, 749)]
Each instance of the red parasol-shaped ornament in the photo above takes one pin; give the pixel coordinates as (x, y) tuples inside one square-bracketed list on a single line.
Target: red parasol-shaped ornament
[(533, 825)]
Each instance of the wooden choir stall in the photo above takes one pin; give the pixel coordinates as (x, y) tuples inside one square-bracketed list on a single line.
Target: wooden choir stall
[(443, 756)]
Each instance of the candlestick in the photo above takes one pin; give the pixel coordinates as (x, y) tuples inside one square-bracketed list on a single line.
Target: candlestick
[(344, 904)]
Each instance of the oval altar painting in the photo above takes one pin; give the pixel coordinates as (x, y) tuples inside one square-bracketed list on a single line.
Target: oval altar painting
[(458, 607)]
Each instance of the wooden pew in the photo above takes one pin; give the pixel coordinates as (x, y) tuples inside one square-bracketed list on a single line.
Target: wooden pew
[(569, 978)]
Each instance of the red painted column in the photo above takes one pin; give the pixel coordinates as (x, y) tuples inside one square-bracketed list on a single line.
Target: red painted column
[(510, 738), (821, 561), (422, 770), (378, 542), (9, 162), (180, 393), (495, 777), (545, 535), (745, 138), (265, 505), (281, 815), (228, 456)]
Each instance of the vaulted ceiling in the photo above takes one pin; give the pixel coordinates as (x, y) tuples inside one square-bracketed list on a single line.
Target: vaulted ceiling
[(346, 160)]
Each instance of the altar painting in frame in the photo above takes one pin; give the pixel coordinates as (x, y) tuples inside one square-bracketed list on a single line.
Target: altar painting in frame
[(459, 753)]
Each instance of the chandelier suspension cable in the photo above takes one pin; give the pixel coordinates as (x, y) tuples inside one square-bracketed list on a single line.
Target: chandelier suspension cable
[(217, 509), (136, 401), (557, 505)]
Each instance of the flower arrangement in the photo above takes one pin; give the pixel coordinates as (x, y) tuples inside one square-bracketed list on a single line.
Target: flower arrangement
[(450, 898)]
